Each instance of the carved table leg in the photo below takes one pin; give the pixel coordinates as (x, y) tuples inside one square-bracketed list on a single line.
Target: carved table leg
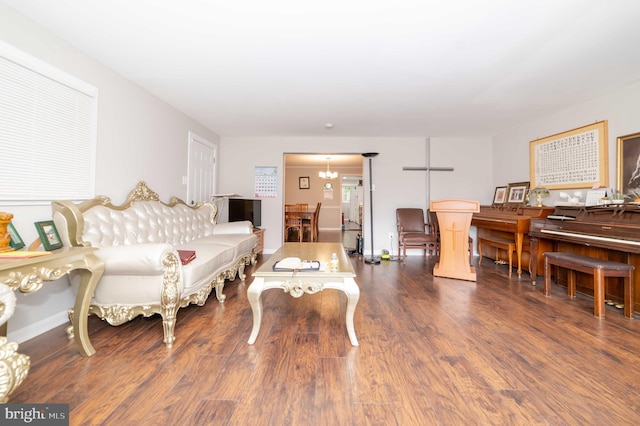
[(90, 274), (352, 291), (254, 295)]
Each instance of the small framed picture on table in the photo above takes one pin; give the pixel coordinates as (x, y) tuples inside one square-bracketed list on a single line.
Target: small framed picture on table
[(16, 242), (500, 195), (517, 193), (48, 235)]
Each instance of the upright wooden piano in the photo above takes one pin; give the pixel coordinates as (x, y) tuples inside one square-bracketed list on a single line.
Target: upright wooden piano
[(511, 223), (611, 233)]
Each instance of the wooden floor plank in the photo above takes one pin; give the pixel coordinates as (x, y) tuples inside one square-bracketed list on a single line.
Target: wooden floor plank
[(295, 402), (333, 403)]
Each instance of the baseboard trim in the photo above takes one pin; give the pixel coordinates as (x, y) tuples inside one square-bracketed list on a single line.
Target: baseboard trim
[(38, 328)]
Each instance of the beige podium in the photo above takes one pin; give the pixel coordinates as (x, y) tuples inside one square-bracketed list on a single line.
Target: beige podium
[(454, 219)]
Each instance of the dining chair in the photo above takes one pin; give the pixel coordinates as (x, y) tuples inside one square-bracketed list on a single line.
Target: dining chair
[(292, 220), (312, 224)]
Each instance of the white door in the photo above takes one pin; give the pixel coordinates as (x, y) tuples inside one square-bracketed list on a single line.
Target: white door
[(201, 169)]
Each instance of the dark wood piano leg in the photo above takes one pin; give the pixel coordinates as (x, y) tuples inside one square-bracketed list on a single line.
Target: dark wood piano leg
[(533, 259), (629, 296)]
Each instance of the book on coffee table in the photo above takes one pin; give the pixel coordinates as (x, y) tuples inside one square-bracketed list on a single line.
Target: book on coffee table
[(290, 264)]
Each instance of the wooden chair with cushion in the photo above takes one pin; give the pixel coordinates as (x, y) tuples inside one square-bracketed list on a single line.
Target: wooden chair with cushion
[(414, 232), (292, 221)]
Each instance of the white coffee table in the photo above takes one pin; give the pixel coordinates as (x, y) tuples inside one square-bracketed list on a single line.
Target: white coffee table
[(299, 283)]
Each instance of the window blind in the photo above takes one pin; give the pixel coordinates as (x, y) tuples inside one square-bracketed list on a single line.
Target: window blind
[(48, 129)]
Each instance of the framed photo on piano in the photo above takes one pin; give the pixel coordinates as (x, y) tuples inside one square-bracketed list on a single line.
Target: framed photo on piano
[(517, 193), (628, 165), (500, 196)]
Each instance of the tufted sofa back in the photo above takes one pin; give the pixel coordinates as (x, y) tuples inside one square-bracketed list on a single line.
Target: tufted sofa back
[(141, 219), (147, 222)]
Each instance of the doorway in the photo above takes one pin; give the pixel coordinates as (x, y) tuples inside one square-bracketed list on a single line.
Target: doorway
[(201, 169), (303, 184)]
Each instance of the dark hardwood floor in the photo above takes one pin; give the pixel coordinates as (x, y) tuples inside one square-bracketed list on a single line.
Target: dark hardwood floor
[(433, 351)]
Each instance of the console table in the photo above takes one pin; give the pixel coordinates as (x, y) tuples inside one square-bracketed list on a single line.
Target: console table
[(28, 275)]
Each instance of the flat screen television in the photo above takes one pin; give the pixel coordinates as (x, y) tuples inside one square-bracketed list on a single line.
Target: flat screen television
[(245, 209)]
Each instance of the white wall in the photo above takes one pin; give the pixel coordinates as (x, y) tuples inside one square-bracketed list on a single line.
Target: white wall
[(139, 138), (471, 159), (471, 178), (511, 147)]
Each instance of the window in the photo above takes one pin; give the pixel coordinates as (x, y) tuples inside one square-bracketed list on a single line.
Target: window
[(48, 128)]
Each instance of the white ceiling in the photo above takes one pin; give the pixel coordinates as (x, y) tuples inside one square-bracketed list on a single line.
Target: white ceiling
[(370, 67)]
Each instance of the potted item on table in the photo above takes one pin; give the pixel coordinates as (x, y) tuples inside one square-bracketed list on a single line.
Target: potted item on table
[(617, 197), (5, 236)]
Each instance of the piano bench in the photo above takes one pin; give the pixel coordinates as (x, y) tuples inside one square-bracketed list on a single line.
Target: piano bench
[(600, 269), (499, 243)]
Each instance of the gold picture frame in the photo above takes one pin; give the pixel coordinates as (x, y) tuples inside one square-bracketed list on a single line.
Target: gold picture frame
[(628, 165), (573, 159)]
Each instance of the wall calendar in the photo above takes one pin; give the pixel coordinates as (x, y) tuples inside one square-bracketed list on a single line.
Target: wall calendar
[(573, 159), (266, 182)]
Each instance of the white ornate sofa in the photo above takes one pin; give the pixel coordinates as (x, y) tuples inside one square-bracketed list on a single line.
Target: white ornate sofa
[(138, 243)]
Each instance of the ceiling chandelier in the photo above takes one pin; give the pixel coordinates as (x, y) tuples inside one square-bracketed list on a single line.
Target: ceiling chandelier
[(328, 174)]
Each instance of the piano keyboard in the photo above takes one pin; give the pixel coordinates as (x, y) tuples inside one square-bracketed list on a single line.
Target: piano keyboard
[(590, 237)]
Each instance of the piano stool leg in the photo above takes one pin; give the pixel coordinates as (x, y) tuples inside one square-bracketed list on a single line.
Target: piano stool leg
[(510, 256), (571, 285), (479, 252), (547, 277), (598, 292)]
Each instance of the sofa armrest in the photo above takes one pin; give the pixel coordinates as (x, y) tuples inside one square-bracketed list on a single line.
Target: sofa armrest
[(136, 259), (240, 227)]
